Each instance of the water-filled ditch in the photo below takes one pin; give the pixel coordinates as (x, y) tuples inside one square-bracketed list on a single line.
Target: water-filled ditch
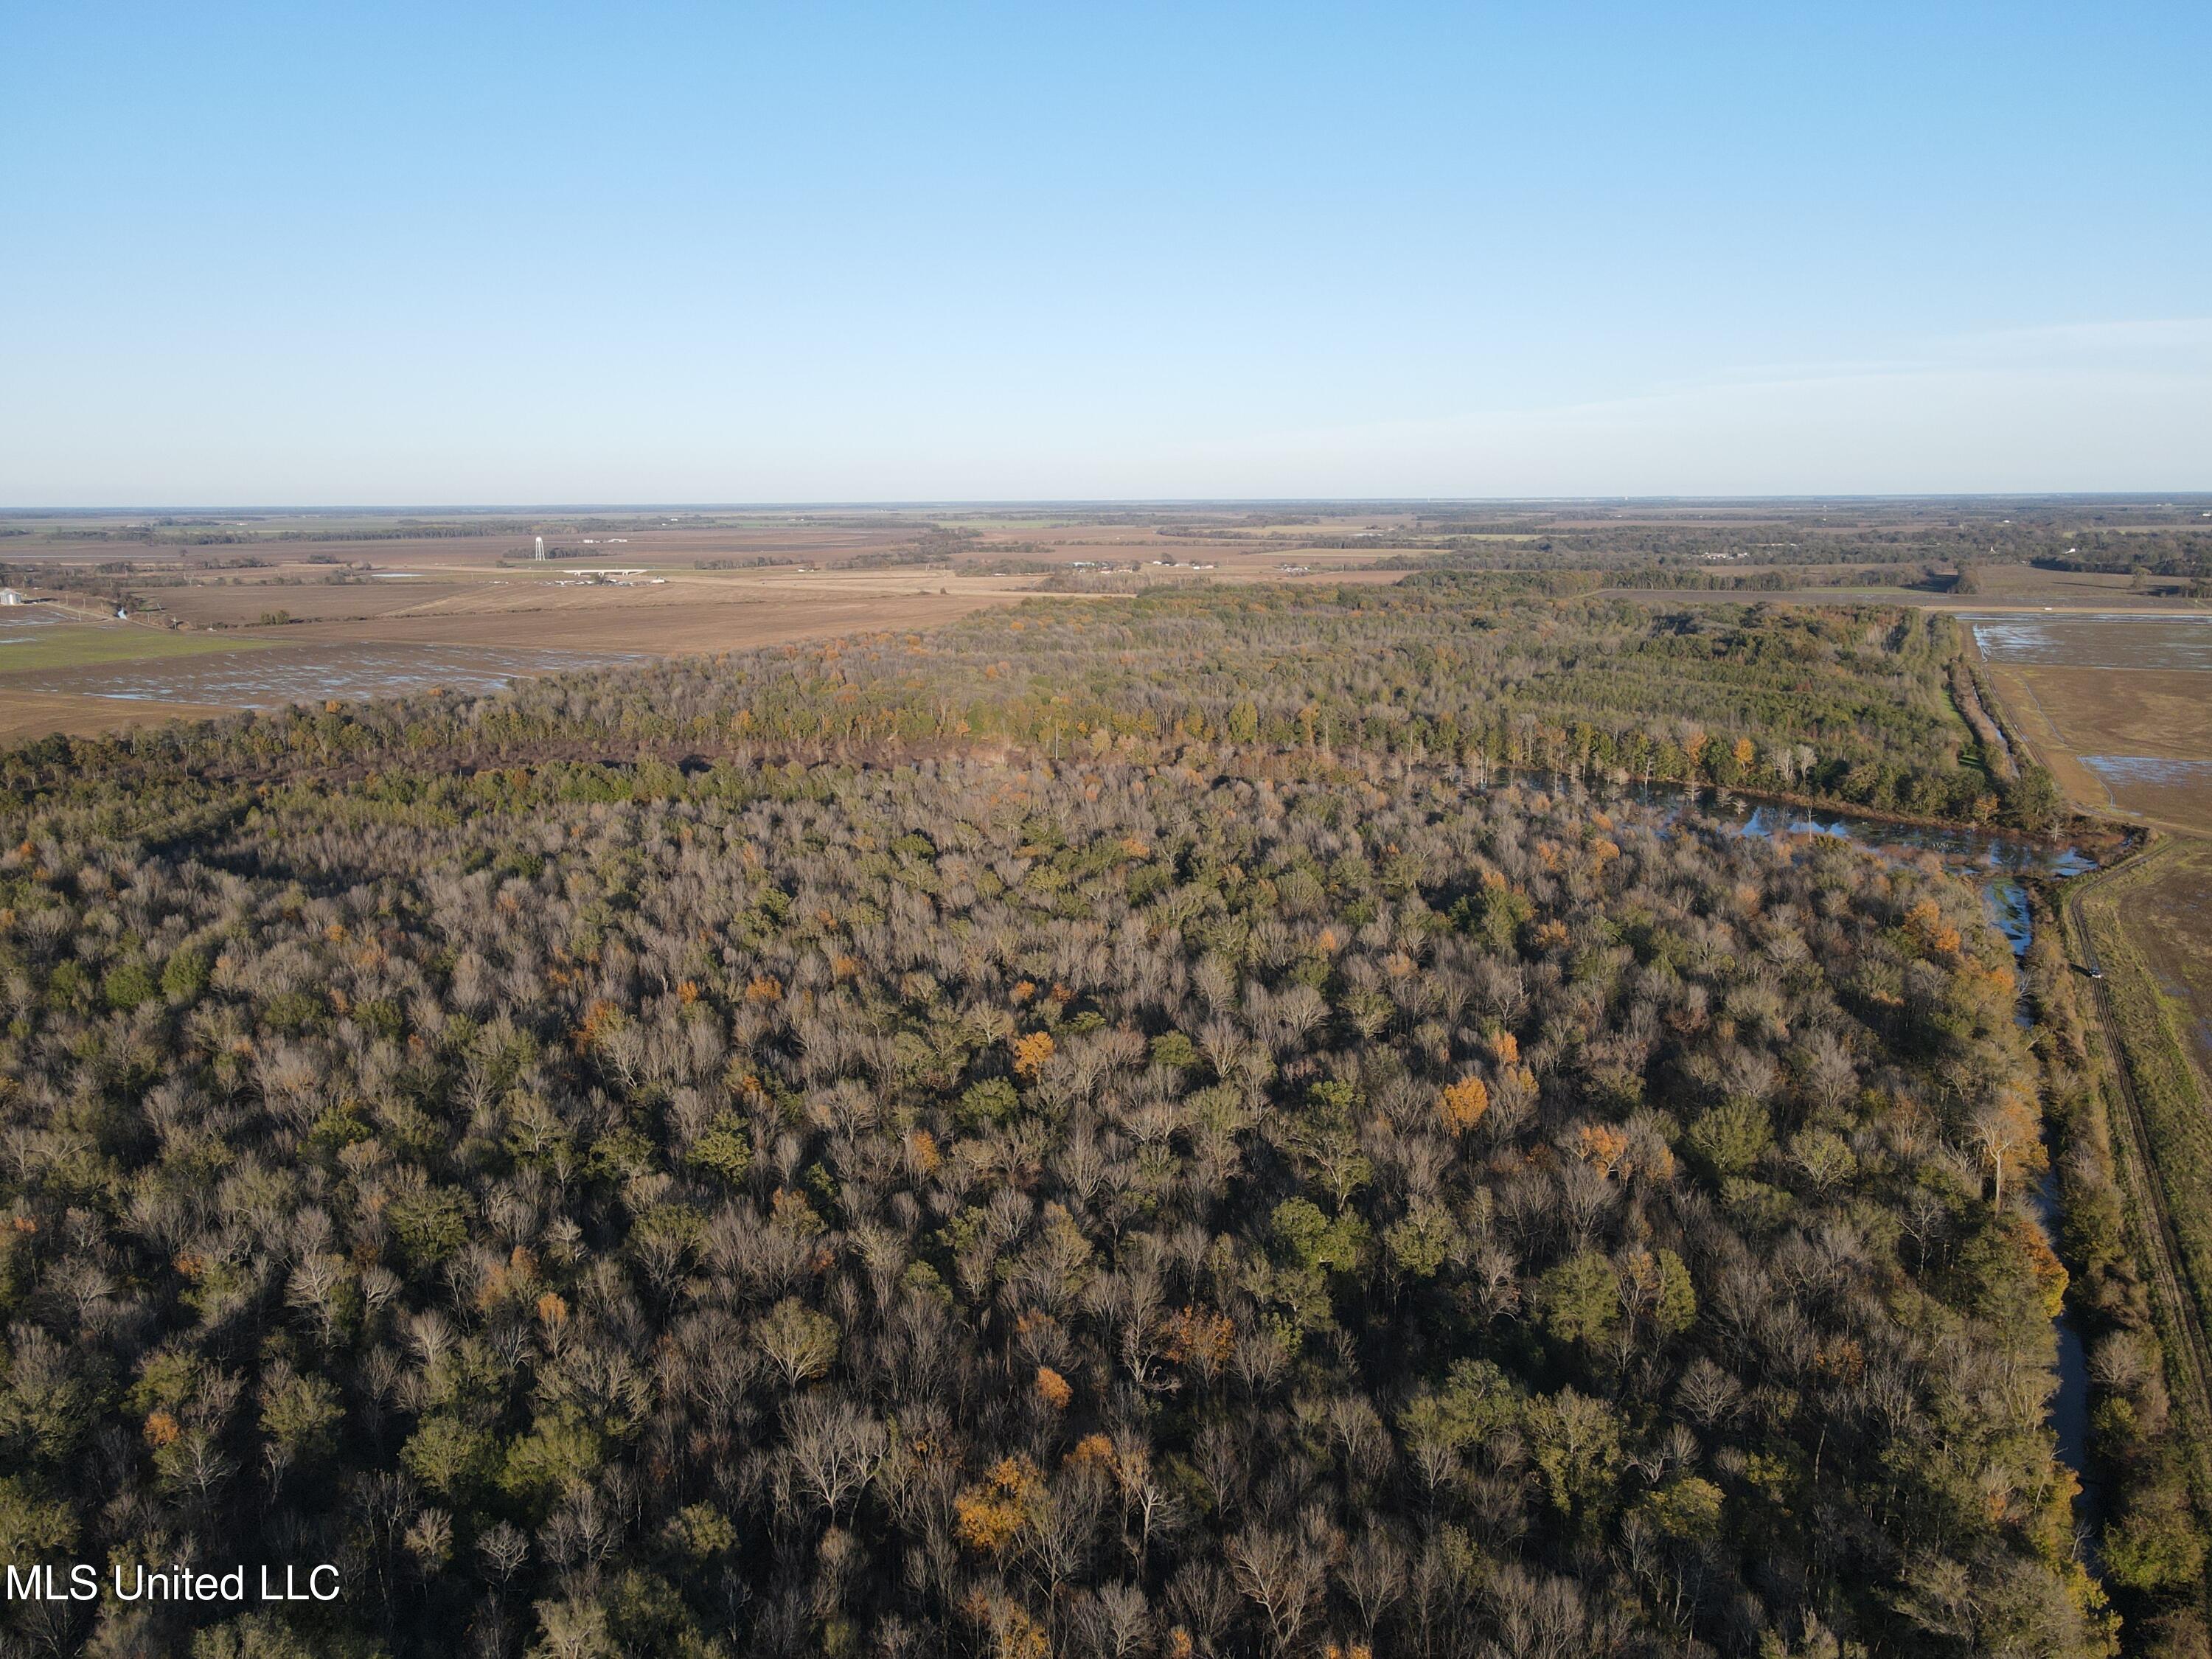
[(2000, 865)]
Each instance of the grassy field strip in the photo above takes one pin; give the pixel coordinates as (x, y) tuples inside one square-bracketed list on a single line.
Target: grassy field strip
[(2164, 1132), (77, 645)]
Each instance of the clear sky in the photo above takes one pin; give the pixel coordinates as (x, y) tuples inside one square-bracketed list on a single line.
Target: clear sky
[(475, 253)]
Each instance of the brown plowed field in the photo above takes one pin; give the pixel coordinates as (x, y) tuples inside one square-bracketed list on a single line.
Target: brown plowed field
[(26, 715), (2144, 714), (684, 616)]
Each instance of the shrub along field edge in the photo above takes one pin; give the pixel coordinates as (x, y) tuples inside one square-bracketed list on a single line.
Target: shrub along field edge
[(2151, 1455)]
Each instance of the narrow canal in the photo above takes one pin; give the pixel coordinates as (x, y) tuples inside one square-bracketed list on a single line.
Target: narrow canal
[(2000, 865)]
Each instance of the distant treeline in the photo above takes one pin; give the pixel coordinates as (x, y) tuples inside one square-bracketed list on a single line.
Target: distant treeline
[(1686, 578), (2165, 550), (2183, 556)]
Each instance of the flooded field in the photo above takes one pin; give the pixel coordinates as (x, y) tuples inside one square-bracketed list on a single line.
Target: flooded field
[(2177, 793), (272, 676), (2119, 707), (2112, 640), (20, 624), (2149, 769), (369, 639)]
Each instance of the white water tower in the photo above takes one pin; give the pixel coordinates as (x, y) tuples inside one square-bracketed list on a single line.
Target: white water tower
[(541, 548)]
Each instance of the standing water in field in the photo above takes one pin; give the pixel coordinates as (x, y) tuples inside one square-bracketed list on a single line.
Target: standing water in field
[(2106, 639), (271, 676)]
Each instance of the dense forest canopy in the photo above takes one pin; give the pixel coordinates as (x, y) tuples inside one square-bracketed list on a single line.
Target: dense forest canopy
[(1496, 674), (2175, 550), (1116, 1130)]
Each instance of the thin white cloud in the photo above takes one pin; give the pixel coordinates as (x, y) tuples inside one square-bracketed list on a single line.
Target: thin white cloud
[(2117, 406)]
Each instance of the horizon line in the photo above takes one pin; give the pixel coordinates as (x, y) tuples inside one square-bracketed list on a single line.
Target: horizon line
[(894, 504)]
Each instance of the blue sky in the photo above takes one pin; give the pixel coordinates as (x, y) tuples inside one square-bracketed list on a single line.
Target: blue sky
[(483, 253)]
